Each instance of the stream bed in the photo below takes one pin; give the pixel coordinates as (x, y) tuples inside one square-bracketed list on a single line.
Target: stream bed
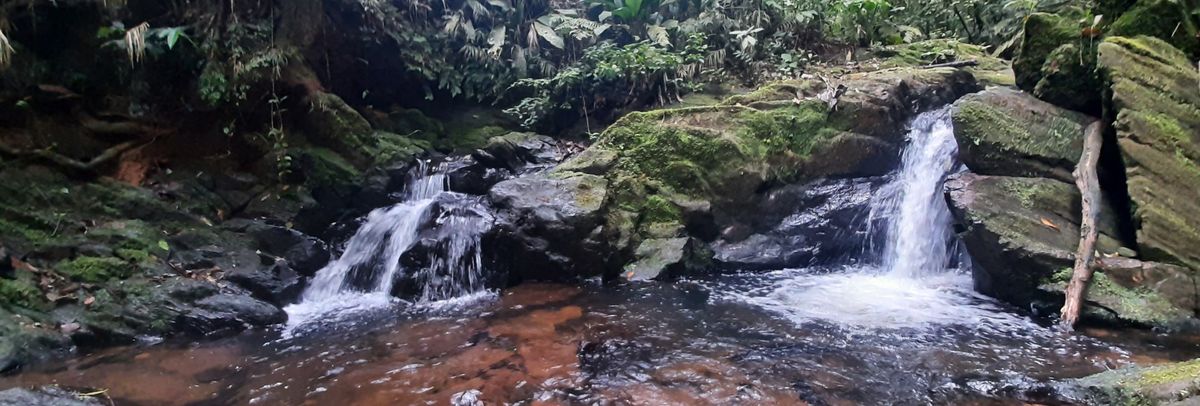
[(737, 339)]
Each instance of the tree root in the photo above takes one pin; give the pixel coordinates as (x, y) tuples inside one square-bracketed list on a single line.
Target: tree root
[(72, 164)]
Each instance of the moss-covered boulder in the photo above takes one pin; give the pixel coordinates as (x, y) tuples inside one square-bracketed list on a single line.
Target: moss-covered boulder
[(333, 124), (1157, 104), (1007, 132), (1044, 33), (667, 257), (989, 70), (1169, 384), (1163, 19), (1071, 79)]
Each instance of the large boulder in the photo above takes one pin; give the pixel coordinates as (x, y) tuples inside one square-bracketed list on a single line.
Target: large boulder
[(549, 226), (668, 257), (1163, 19), (303, 253), (1022, 234), (1008, 132), (1157, 104)]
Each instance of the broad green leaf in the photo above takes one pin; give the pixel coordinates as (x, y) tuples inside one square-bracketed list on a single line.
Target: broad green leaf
[(549, 35)]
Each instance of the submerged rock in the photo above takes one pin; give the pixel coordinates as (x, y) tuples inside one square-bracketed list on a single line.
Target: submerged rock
[(668, 257), (47, 396), (1157, 105)]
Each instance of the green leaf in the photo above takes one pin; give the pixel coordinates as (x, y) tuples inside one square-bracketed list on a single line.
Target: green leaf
[(163, 245), (172, 37), (549, 35)]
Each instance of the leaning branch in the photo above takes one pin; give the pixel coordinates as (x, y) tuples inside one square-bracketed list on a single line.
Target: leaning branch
[(73, 164), (1088, 182), (955, 64)]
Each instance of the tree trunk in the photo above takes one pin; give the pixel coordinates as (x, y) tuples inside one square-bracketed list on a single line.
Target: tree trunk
[(1088, 182)]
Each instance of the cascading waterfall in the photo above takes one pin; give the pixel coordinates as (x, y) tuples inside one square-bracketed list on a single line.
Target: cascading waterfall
[(368, 269), (910, 283), (918, 233)]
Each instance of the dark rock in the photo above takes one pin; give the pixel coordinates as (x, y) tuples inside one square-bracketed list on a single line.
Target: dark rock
[(798, 225), (199, 322), (6, 263), (304, 253), (471, 177), (516, 150), (549, 226), (46, 396), (188, 290), (246, 309), (276, 283), (1070, 79)]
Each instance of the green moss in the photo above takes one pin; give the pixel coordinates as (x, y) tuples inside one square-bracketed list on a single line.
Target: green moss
[(1160, 19), (95, 269), (394, 148), (470, 139), (797, 129), (1070, 78), (1043, 34), (21, 292), (658, 209), (324, 167), (135, 255)]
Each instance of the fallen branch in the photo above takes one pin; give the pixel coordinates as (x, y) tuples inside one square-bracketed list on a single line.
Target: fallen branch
[(1088, 183), (67, 162), (955, 64)]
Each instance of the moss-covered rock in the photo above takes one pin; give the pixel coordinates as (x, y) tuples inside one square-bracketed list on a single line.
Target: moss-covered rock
[(1070, 78), (1044, 33), (1173, 384), (1020, 231), (1139, 304), (989, 70), (96, 269), (668, 257), (1163, 19), (1007, 132), (1157, 104), (335, 125)]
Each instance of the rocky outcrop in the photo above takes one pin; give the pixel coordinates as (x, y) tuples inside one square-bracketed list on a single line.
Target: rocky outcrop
[(1170, 384), (678, 175), (1007, 132), (550, 227), (1157, 106)]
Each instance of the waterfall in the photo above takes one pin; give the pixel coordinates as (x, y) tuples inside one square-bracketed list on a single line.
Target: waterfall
[(918, 232), (446, 226), (910, 283)]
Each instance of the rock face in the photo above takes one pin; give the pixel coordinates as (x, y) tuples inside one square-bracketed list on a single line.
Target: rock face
[(550, 226), (1157, 106), (46, 396), (798, 225), (1007, 132), (666, 257)]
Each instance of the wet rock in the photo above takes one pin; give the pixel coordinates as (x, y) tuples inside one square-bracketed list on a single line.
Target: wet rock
[(305, 254), (1022, 234), (471, 177), (1156, 125), (548, 226), (246, 309), (46, 396), (668, 257), (515, 150), (1171, 384), (797, 225), (272, 281), (1006, 132)]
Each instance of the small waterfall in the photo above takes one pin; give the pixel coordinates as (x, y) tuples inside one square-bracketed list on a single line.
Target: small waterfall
[(375, 257), (918, 237)]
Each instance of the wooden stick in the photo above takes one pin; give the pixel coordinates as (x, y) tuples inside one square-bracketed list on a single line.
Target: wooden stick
[(1088, 182), (955, 64)]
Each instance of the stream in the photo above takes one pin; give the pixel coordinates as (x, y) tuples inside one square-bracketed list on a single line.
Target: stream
[(897, 323)]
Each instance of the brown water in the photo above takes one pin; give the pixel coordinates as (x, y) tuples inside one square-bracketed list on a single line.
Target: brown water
[(686, 343)]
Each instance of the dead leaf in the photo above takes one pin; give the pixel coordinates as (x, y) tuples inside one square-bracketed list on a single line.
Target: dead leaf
[(1049, 224), (89, 300)]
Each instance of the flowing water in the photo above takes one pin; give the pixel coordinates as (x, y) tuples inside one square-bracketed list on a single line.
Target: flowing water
[(899, 324), (365, 275)]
